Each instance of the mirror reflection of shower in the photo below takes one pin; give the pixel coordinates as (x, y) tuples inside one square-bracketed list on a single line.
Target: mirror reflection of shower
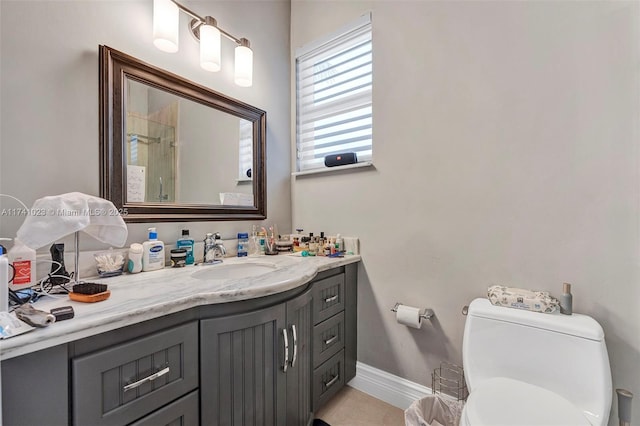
[(162, 196)]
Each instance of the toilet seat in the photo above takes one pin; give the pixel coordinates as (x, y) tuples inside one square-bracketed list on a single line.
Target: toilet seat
[(506, 402)]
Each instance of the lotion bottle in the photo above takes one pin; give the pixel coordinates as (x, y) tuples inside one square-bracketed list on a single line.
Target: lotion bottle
[(566, 300), (135, 258), (152, 252)]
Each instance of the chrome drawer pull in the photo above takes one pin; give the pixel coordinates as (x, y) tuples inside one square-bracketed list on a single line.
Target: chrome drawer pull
[(286, 349), (330, 340), (331, 299), (147, 379), (331, 382), (295, 345)]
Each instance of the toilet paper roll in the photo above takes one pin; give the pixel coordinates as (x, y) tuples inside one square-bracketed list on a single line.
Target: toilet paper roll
[(409, 316)]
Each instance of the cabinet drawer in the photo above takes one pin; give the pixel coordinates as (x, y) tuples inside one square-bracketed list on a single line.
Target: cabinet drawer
[(328, 379), (328, 297), (182, 412), (328, 338), (126, 382)]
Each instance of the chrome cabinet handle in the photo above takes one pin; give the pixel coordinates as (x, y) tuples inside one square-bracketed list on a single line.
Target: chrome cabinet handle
[(295, 344), (331, 299), (330, 340), (332, 381), (146, 379), (286, 349)]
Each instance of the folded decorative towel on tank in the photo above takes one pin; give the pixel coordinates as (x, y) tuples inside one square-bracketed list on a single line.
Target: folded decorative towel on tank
[(511, 297)]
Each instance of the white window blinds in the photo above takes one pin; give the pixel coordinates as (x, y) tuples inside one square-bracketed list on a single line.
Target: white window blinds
[(333, 96), (246, 150)]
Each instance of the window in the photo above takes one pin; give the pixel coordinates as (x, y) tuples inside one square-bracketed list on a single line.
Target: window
[(333, 96)]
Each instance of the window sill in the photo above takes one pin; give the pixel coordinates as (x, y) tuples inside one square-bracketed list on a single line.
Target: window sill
[(333, 169)]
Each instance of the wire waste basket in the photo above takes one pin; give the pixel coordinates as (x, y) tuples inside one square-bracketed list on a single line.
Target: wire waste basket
[(444, 406), (449, 379)]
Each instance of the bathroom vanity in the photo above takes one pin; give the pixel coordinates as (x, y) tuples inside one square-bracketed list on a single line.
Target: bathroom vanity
[(168, 349)]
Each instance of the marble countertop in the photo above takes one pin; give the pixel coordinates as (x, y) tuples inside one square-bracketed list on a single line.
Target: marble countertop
[(148, 295)]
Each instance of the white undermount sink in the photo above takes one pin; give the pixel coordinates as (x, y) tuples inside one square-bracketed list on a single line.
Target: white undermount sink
[(233, 270)]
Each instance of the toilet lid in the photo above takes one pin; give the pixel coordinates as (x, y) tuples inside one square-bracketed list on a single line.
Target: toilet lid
[(506, 402)]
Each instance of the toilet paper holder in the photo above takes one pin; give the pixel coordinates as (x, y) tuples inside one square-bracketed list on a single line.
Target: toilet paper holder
[(427, 314)]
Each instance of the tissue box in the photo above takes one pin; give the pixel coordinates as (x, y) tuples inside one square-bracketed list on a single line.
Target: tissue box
[(110, 263)]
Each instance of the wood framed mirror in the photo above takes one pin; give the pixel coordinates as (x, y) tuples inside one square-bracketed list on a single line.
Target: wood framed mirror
[(174, 151)]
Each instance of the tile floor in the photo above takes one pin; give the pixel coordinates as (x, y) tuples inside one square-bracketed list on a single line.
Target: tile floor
[(350, 407)]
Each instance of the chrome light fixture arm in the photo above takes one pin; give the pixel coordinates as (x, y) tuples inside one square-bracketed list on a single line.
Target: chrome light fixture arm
[(198, 20)]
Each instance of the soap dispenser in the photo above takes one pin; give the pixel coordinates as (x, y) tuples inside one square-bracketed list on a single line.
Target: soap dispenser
[(152, 252)]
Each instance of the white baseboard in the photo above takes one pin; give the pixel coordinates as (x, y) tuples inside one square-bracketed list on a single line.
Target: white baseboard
[(391, 389)]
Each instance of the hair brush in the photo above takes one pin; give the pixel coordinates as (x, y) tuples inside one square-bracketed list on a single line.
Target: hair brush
[(89, 292)]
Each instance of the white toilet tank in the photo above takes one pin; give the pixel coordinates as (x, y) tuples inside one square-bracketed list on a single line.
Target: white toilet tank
[(565, 354)]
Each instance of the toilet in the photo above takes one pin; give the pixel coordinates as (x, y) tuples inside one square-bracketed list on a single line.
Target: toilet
[(530, 368)]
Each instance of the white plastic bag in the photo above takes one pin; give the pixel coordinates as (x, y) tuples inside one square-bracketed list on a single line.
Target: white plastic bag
[(433, 410)]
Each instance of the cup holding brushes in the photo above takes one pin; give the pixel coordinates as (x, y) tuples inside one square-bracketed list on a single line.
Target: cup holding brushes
[(34, 317)]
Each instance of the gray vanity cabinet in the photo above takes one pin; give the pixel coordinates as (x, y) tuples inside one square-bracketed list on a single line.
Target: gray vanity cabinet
[(298, 371), (183, 412), (334, 334), (256, 367), (34, 388), (270, 361), (120, 384), (241, 368)]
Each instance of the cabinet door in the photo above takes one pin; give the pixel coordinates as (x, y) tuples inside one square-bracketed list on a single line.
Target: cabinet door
[(35, 388), (328, 379), (299, 379), (182, 412), (242, 368), (120, 384), (328, 297)]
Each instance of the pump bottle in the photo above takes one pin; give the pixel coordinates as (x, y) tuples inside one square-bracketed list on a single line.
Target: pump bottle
[(152, 252)]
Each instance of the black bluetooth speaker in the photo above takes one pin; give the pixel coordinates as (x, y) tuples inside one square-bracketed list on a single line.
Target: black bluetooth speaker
[(340, 159)]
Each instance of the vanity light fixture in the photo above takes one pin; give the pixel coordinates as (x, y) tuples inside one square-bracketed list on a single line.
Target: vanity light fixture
[(166, 16)]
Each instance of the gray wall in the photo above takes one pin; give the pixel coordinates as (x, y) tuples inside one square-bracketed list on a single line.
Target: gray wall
[(505, 152), (49, 95)]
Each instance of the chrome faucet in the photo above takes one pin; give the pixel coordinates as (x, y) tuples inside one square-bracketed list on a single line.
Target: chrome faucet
[(213, 250)]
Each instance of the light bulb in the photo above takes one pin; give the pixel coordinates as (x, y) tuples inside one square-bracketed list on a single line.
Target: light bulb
[(166, 19), (244, 65), (209, 47)]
